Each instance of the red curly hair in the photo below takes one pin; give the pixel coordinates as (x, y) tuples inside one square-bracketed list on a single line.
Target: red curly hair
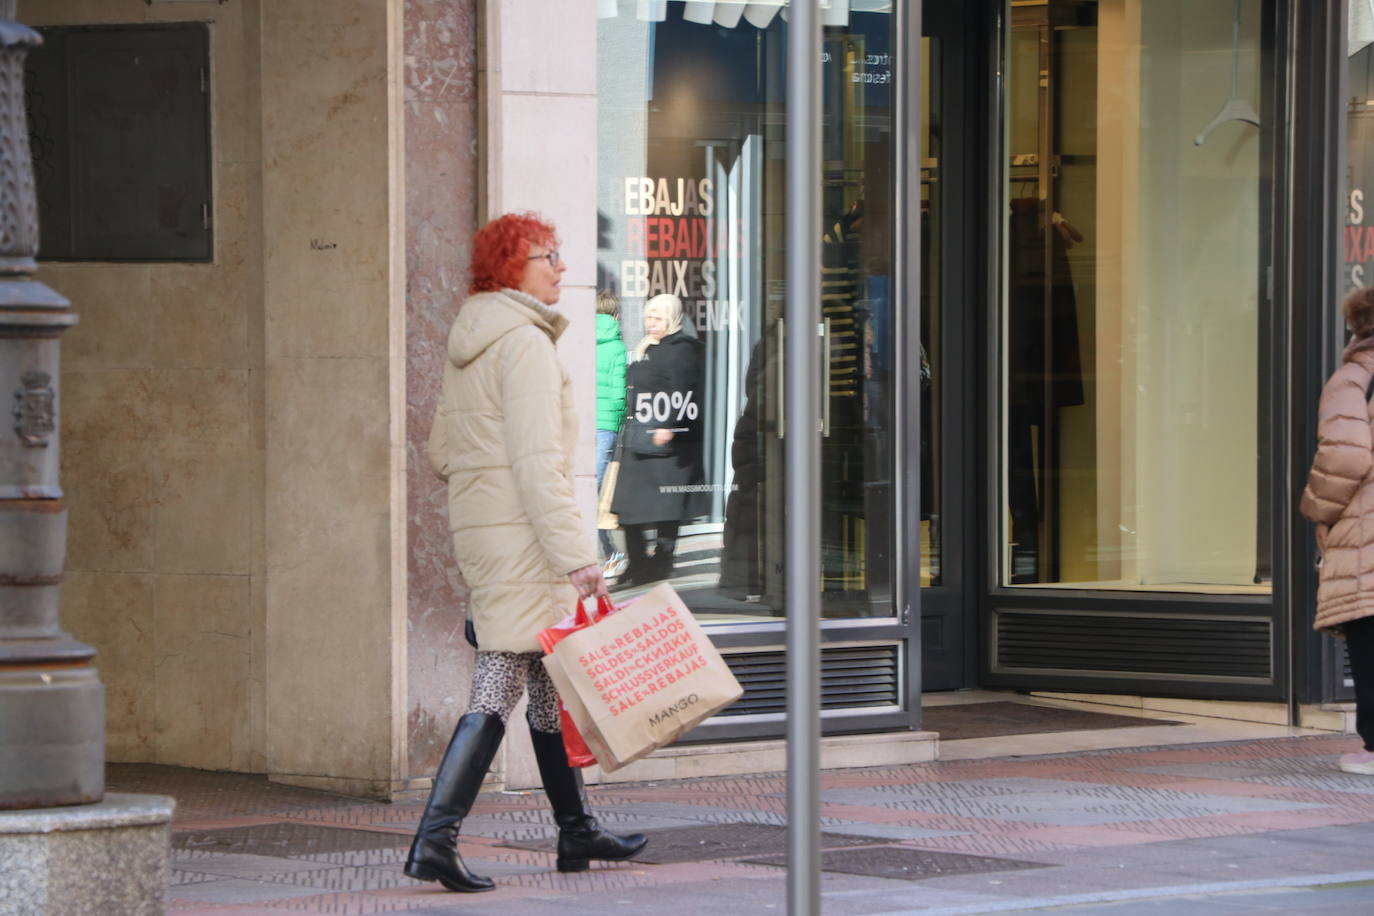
[(501, 247)]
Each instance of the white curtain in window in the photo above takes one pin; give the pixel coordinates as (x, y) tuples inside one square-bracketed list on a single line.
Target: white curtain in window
[(759, 13), (700, 11), (728, 14), (652, 10)]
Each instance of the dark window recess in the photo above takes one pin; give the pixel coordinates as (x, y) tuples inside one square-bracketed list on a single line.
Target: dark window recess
[(119, 125)]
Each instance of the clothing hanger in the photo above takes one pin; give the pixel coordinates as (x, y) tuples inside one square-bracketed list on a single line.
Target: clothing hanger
[(1234, 108)]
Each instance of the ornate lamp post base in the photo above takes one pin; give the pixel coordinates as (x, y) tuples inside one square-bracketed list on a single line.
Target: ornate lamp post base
[(65, 846), (52, 705)]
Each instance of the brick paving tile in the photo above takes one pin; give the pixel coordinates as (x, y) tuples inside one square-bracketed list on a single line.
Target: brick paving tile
[(1127, 820), (1095, 837), (993, 844)]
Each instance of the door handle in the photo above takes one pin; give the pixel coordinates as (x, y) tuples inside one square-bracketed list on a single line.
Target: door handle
[(782, 379), (825, 375)]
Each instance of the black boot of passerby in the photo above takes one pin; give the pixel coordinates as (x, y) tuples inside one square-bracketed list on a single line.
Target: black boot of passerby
[(434, 852), (580, 837)]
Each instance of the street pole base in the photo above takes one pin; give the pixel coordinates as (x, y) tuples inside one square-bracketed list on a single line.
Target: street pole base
[(52, 746)]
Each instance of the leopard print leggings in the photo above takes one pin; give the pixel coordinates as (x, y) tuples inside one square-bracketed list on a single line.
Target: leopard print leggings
[(501, 677)]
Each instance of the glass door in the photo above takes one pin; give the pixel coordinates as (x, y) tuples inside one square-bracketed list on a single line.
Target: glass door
[(692, 212), (1131, 521)]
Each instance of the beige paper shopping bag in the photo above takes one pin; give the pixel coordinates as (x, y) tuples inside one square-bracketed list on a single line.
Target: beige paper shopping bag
[(640, 678), (581, 718)]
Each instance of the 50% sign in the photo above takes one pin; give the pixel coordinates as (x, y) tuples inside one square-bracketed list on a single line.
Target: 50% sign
[(663, 406)]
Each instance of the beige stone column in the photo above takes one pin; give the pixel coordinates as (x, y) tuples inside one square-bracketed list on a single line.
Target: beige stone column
[(539, 66), (334, 294)]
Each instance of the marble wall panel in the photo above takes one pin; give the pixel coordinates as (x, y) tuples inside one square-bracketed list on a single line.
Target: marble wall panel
[(115, 306), (318, 261), (232, 79), (204, 522), (329, 675), (548, 164), (113, 613), (530, 31), (203, 312), (330, 191), (326, 458), (441, 216), (326, 178), (202, 659), (108, 407), (257, 669), (206, 406), (111, 428), (202, 318), (441, 51)]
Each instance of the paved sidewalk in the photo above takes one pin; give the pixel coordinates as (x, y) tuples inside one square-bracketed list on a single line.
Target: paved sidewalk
[(1234, 828)]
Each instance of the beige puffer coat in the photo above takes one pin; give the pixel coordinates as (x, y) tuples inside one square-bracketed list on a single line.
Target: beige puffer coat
[(1339, 495), (503, 438)]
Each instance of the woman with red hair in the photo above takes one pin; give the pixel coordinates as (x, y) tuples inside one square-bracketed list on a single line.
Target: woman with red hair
[(503, 438)]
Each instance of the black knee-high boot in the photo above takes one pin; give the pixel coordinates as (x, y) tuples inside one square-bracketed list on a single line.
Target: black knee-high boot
[(434, 852), (580, 837)]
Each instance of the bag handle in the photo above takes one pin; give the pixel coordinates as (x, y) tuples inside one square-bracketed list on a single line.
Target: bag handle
[(603, 608)]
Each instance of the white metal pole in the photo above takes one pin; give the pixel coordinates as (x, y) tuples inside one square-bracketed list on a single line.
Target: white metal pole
[(802, 452)]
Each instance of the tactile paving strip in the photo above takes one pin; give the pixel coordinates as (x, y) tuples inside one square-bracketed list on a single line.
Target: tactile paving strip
[(905, 863)]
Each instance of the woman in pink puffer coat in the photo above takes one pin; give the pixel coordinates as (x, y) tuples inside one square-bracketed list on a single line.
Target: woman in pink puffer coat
[(1339, 497)]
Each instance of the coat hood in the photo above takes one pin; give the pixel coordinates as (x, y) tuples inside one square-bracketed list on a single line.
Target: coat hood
[(1359, 350), (607, 329), (487, 317)]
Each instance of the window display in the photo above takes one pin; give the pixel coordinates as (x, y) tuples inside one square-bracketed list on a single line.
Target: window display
[(691, 235), (1131, 313)]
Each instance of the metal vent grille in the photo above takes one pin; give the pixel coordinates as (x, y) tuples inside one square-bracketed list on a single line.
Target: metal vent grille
[(852, 677), (1076, 643)]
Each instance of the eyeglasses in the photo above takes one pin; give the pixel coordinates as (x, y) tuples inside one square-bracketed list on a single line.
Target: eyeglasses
[(552, 257)]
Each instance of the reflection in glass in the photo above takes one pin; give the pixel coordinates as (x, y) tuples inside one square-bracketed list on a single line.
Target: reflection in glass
[(931, 355), (1358, 258), (691, 205), (1130, 348)]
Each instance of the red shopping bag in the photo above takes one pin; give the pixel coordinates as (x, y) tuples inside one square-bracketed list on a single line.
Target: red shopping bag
[(579, 755)]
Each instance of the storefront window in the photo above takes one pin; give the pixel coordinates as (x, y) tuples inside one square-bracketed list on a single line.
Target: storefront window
[(1359, 232), (691, 242), (1131, 298)]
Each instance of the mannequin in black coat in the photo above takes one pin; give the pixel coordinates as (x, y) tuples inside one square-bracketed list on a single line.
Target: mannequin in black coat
[(661, 463)]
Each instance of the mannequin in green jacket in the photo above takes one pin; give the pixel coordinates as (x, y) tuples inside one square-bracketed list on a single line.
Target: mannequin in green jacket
[(610, 405)]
